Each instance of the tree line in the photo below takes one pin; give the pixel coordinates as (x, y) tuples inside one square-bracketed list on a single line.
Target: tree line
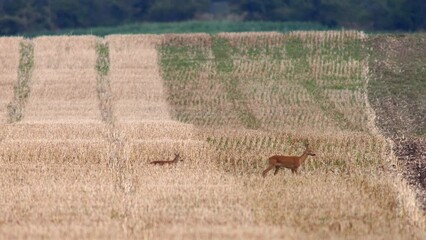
[(23, 16)]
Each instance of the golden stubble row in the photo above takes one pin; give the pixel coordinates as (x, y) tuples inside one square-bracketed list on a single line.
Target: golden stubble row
[(63, 83), (334, 37), (246, 152), (136, 84), (146, 141)]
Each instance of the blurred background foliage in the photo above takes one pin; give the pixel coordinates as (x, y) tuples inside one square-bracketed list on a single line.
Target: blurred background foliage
[(30, 16)]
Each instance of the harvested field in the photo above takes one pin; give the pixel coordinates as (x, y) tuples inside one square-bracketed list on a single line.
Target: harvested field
[(63, 87), (9, 62), (77, 164), (136, 84)]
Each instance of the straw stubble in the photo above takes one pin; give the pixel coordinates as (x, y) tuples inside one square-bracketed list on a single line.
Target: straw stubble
[(70, 173)]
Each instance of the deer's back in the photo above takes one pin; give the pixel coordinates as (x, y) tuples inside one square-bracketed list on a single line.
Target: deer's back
[(161, 162), (285, 161)]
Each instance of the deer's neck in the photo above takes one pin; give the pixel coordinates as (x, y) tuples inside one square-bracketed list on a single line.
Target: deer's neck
[(303, 157)]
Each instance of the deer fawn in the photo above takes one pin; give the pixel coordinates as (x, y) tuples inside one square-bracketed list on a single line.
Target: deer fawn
[(291, 162), (175, 160)]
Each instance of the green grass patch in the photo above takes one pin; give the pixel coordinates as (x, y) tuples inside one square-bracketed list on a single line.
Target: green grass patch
[(102, 62), (103, 83), (296, 48), (348, 49), (223, 56), (22, 88), (180, 57)]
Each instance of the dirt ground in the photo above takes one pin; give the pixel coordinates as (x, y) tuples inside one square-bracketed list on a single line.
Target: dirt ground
[(397, 92)]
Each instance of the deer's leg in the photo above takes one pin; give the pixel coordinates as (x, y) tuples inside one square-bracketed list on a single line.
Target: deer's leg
[(294, 170), (267, 170), (276, 170)]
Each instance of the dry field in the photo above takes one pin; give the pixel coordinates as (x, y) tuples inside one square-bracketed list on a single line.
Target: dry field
[(82, 117), (9, 60)]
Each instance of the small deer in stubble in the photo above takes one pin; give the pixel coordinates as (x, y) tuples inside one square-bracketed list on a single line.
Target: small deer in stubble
[(291, 162), (162, 162)]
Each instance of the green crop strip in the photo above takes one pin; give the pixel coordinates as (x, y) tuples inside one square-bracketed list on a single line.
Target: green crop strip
[(222, 53), (103, 82), (220, 79), (299, 53), (22, 88)]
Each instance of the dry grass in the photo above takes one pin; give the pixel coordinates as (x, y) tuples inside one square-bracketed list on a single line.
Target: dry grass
[(64, 81), (9, 62), (69, 173), (136, 83)]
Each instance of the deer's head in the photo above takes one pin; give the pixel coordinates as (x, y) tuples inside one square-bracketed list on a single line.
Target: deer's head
[(177, 157), (309, 151)]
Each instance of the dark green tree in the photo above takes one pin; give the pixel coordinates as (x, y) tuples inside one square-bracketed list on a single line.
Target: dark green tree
[(176, 10), (26, 16)]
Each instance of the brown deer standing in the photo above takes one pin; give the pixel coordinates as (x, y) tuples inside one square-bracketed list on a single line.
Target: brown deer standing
[(175, 160), (291, 162)]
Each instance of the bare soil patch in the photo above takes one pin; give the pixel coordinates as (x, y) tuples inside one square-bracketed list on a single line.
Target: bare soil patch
[(397, 94)]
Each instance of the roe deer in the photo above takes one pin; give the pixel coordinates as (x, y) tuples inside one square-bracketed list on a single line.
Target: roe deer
[(291, 162), (175, 160)]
